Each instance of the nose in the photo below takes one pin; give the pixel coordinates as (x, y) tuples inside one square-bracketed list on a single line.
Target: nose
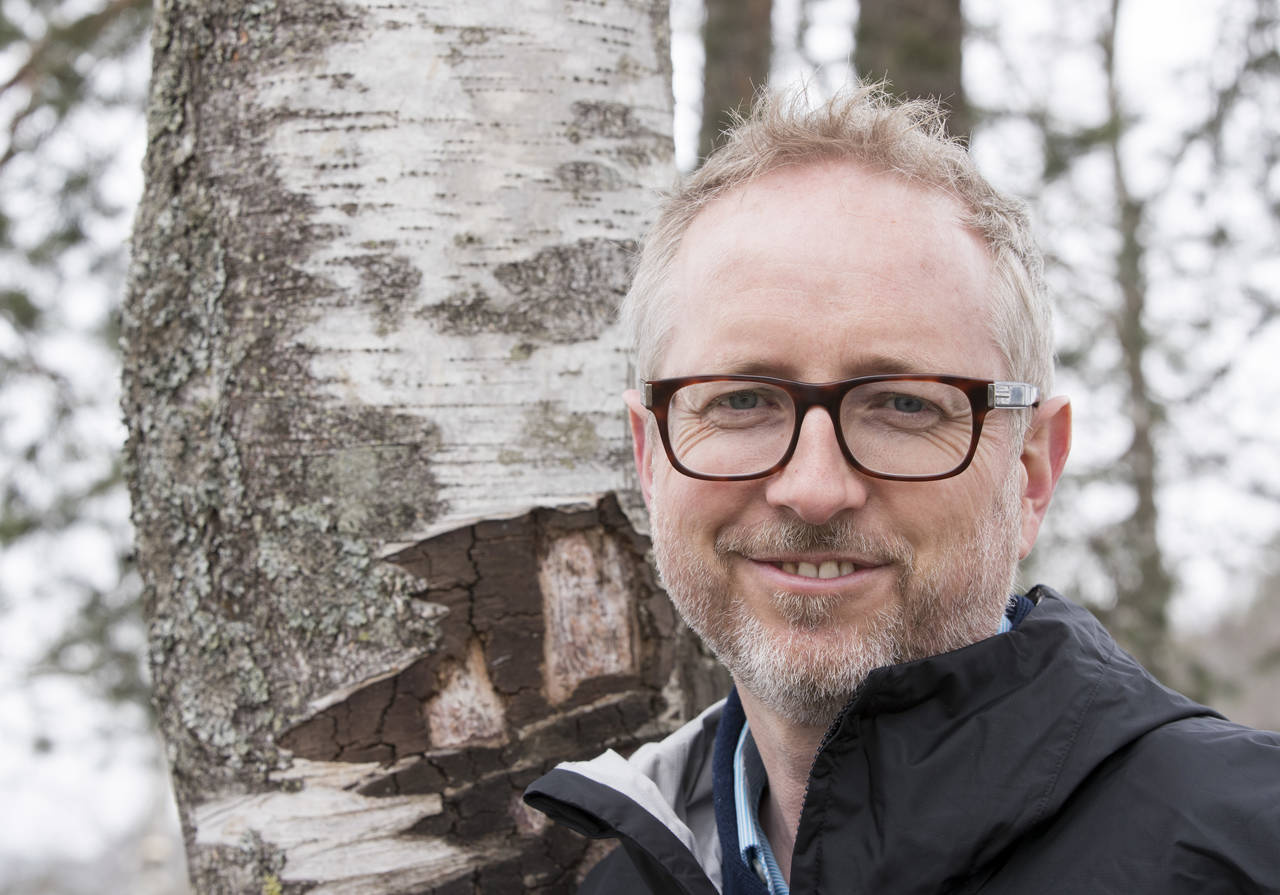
[(817, 483)]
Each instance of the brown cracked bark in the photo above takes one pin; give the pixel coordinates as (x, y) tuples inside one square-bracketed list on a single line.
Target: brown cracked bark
[(541, 676)]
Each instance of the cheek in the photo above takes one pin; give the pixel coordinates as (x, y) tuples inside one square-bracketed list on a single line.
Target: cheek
[(698, 510), (929, 514)]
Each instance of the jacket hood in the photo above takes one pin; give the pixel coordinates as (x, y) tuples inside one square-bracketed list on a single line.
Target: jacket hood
[(919, 760), (658, 803)]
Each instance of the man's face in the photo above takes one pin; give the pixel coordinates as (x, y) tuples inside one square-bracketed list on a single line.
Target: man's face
[(819, 273)]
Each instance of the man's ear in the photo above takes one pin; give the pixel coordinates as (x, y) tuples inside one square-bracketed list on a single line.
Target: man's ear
[(640, 442), (1044, 453)]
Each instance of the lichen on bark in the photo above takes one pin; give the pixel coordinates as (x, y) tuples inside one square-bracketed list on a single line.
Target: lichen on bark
[(304, 386), (258, 499)]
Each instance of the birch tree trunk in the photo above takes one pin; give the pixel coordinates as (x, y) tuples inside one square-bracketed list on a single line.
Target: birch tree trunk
[(371, 384)]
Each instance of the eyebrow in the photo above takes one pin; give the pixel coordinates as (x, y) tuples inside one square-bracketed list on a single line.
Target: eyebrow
[(865, 366)]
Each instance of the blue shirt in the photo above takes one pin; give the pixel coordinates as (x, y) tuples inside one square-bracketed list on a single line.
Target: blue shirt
[(748, 786), (749, 780)]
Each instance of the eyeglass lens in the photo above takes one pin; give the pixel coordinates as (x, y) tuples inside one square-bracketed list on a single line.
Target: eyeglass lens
[(894, 427)]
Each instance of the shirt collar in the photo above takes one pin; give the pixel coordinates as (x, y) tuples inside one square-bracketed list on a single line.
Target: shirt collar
[(749, 781)]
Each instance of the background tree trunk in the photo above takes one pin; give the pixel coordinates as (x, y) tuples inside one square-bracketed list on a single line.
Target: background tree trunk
[(371, 316), (1143, 581), (737, 38), (918, 46)]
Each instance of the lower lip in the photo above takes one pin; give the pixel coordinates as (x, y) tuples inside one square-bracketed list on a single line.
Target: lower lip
[(800, 583)]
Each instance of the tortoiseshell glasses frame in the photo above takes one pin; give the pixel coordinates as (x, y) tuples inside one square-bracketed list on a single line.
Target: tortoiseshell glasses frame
[(984, 395)]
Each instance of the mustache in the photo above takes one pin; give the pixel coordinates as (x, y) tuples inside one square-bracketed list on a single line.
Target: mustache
[(796, 536)]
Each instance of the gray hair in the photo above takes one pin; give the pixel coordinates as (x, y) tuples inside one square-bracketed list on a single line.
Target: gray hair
[(861, 124)]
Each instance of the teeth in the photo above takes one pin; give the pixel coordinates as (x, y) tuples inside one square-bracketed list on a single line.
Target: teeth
[(828, 569)]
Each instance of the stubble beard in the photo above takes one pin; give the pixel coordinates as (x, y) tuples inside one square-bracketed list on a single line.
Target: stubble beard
[(808, 671)]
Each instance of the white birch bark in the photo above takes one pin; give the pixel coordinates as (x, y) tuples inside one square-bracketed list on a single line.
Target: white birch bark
[(371, 316)]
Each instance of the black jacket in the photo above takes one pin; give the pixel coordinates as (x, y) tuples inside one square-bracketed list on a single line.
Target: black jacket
[(1040, 761)]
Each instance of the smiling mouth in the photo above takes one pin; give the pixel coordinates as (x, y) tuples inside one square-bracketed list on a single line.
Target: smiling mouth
[(827, 569)]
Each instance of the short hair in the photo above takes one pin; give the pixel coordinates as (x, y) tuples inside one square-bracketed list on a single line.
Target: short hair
[(862, 124)]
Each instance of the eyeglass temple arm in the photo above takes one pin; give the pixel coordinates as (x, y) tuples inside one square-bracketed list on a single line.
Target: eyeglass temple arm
[(1012, 395)]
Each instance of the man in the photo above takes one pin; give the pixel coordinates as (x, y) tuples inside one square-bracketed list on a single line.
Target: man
[(846, 443)]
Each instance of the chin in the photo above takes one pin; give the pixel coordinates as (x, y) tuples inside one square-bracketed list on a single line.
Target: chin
[(809, 664)]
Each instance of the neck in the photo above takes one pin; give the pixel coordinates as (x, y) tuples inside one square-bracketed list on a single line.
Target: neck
[(787, 750)]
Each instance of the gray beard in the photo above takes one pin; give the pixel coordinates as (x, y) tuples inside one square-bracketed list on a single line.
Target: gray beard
[(806, 679)]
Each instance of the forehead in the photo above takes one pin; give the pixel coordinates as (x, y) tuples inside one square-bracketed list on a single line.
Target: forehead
[(828, 270)]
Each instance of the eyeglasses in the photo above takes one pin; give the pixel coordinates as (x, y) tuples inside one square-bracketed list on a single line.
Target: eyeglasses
[(913, 428)]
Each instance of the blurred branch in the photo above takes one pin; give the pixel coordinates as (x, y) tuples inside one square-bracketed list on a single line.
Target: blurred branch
[(1264, 59), (91, 647), (52, 59), (60, 42), (1268, 312)]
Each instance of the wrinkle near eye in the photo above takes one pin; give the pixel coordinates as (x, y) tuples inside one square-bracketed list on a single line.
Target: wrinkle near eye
[(687, 438)]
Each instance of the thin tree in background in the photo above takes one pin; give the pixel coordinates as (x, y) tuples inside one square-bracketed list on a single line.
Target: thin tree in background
[(1139, 583), (737, 37), (1144, 585), (918, 45)]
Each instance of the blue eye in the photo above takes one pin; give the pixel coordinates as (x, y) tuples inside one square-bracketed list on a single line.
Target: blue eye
[(743, 400), (907, 404)]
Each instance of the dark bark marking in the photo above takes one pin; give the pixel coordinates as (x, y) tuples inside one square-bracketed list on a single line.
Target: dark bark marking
[(559, 436), (564, 293), (587, 177), (613, 130), (391, 282), (612, 120)]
